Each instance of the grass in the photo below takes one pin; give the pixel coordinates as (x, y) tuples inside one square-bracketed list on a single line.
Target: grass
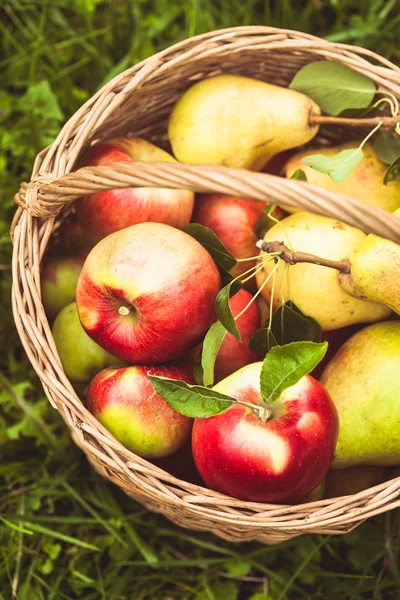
[(64, 532)]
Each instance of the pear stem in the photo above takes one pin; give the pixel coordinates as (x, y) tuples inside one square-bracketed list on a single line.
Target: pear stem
[(387, 122), (292, 258)]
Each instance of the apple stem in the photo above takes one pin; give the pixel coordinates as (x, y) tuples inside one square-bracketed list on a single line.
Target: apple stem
[(293, 258), (264, 414), (387, 122), (124, 310)]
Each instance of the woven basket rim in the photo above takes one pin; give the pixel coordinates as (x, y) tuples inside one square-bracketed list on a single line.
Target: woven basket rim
[(53, 185)]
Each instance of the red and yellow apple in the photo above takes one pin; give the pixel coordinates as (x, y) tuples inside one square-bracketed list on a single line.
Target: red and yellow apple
[(105, 212), (147, 293), (280, 459), (234, 355), (59, 278), (238, 222), (124, 401)]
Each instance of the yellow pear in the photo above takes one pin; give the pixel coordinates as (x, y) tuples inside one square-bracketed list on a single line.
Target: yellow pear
[(315, 289), (239, 122), (365, 182), (375, 272)]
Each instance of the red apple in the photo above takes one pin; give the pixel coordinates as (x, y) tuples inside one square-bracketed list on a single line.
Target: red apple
[(124, 401), (147, 293), (238, 222), (59, 278), (279, 460), (105, 212), (233, 354)]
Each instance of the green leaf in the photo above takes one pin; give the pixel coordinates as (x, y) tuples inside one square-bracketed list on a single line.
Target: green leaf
[(198, 372), (393, 172), (212, 244), (238, 568), (334, 87), (211, 345), (193, 401), (288, 325), (226, 278), (387, 147), (224, 312), (52, 550), (285, 365), (339, 166), (262, 341), (299, 174), (40, 99)]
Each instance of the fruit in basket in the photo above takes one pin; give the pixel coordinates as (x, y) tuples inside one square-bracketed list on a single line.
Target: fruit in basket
[(279, 460), (59, 278), (363, 380), (238, 222), (239, 122), (147, 293), (234, 355), (103, 213), (375, 272), (316, 289), (124, 401), (345, 482), (365, 182), (80, 356)]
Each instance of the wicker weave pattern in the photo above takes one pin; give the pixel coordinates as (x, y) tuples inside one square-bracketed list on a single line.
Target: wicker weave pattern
[(139, 101)]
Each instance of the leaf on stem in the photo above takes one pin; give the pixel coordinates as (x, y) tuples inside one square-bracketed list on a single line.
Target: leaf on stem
[(212, 244), (288, 324), (224, 311), (333, 86), (193, 401), (299, 174), (393, 172), (387, 146), (211, 345), (285, 365), (339, 166)]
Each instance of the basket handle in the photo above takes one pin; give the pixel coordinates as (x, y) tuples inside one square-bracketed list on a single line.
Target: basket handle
[(46, 195)]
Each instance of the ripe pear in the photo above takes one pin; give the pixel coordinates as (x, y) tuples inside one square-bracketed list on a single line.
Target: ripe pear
[(365, 182), (363, 379), (80, 356), (313, 288), (375, 272), (239, 122)]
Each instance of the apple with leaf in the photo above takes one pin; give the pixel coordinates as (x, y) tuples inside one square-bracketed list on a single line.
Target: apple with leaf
[(268, 432)]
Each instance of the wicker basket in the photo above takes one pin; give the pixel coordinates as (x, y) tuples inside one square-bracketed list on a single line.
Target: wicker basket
[(139, 102)]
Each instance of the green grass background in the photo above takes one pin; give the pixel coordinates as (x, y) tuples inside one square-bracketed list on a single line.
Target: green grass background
[(64, 532)]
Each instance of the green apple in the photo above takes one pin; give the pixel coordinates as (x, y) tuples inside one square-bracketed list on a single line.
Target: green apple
[(363, 380), (80, 356), (59, 278)]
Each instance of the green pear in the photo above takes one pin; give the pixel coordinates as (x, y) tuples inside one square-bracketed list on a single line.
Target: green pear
[(239, 122), (59, 278), (315, 289), (363, 379), (375, 272), (80, 356), (365, 182)]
